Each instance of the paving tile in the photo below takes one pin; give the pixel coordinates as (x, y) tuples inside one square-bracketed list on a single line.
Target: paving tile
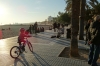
[(46, 51)]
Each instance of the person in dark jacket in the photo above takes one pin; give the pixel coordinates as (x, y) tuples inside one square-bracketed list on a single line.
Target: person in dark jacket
[(58, 25), (30, 29), (94, 42), (35, 27), (33, 30), (54, 26)]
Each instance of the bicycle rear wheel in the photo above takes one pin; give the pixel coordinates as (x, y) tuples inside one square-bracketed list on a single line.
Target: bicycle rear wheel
[(30, 47), (15, 52)]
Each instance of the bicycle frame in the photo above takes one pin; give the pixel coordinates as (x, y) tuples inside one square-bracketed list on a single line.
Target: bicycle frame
[(18, 48), (28, 43)]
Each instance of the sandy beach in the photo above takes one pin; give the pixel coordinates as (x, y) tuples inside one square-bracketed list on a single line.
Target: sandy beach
[(14, 30)]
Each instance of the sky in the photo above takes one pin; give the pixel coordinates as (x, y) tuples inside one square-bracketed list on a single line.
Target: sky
[(26, 11)]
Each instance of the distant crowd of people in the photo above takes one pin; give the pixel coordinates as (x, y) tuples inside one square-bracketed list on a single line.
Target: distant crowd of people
[(57, 26), (34, 29)]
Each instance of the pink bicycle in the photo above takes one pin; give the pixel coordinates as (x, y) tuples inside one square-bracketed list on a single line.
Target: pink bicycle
[(15, 51)]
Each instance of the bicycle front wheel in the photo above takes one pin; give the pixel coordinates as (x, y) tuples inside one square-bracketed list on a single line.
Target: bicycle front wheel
[(30, 47), (15, 52)]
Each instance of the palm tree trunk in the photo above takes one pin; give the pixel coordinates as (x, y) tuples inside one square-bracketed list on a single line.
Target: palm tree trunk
[(75, 28), (81, 19)]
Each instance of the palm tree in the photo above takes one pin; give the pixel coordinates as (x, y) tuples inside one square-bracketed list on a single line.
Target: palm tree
[(68, 7), (75, 27), (82, 16), (81, 19), (89, 3), (93, 2), (82, 13), (95, 6)]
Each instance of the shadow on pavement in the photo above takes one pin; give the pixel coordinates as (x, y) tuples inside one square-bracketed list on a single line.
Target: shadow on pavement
[(18, 60), (40, 60), (24, 62), (66, 43), (50, 34), (62, 41), (47, 33)]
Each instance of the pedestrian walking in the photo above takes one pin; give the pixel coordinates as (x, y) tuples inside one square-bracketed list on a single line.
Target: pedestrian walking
[(54, 26), (36, 27), (94, 42), (33, 30), (30, 29), (58, 25)]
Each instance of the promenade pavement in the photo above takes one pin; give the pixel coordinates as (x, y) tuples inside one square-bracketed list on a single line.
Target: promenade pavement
[(46, 51)]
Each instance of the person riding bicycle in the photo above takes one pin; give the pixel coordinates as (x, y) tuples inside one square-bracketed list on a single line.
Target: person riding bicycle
[(21, 38)]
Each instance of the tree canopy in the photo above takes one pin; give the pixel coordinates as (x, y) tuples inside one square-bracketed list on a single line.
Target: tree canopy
[(92, 7), (63, 17)]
